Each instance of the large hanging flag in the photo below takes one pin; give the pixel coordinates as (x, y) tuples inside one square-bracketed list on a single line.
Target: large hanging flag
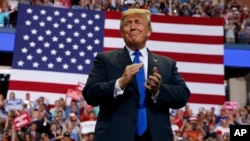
[(55, 47)]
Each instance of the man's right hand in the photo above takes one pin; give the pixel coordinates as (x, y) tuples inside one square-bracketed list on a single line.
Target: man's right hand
[(129, 74)]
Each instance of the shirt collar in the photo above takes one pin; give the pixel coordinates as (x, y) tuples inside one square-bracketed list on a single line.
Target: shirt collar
[(143, 51)]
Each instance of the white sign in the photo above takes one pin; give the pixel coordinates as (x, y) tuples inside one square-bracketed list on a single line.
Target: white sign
[(88, 127), (22, 120), (14, 104)]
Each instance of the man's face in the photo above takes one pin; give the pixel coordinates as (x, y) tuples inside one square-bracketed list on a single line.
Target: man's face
[(135, 31), (27, 96)]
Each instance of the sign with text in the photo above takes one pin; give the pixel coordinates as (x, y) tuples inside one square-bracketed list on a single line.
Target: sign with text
[(14, 104), (230, 105), (74, 94), (239, 132), (22, 120), (88, 127)]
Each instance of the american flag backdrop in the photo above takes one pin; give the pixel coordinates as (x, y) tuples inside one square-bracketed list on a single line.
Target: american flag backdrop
[(55, 47)]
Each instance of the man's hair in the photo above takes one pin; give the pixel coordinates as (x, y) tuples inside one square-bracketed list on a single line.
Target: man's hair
[(142, 12)]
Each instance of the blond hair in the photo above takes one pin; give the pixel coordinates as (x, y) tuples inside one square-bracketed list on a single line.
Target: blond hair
[(142, 12)]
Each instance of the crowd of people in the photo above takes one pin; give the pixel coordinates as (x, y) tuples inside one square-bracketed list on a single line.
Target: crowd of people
[(62, 121), (235, 13)]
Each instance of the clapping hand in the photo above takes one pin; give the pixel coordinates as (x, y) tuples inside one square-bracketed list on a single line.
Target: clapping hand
[(153, 82), (128, 74)]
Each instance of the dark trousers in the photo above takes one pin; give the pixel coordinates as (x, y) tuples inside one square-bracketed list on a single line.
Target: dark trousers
[(144, 137)]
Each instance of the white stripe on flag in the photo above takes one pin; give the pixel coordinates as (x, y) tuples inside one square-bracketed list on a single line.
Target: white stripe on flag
[(176, 47), (51, 77), (174, 28), (201, 68), (206, 88)]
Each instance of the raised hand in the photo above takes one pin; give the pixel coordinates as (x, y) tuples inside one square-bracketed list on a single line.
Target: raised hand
[(153, 82)]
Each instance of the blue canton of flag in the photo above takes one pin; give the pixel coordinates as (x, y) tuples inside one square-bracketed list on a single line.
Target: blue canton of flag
[(57, 39), (54, 48)]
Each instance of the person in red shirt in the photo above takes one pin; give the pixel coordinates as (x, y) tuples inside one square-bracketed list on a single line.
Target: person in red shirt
[(179, 118)]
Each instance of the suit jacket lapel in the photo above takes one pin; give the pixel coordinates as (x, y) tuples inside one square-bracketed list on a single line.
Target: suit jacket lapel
[(152, 62), (124, 58)]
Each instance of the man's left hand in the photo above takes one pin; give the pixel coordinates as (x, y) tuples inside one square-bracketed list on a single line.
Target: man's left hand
[(153, 82)]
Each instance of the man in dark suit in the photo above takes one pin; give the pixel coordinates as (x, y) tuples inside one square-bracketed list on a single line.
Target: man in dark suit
[(36, 136), (115, 86)]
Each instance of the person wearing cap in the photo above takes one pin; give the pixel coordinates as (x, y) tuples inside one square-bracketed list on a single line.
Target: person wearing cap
[(134, 87), (219, 135), (26, 106), (28, 98)]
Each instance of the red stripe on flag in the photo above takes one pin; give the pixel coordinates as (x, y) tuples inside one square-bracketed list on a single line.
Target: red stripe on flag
[(203, 78), (202, 39), (175, 20), (39, 86), (199, 58), (185, 57), (188, 20), (207, 99), (173, 37), (113, 15)]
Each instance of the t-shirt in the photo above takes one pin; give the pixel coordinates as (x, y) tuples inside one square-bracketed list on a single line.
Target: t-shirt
[(3, 15)]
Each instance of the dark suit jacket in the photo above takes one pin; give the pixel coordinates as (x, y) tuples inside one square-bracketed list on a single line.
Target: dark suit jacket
[(37, 137), (117, 116)]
